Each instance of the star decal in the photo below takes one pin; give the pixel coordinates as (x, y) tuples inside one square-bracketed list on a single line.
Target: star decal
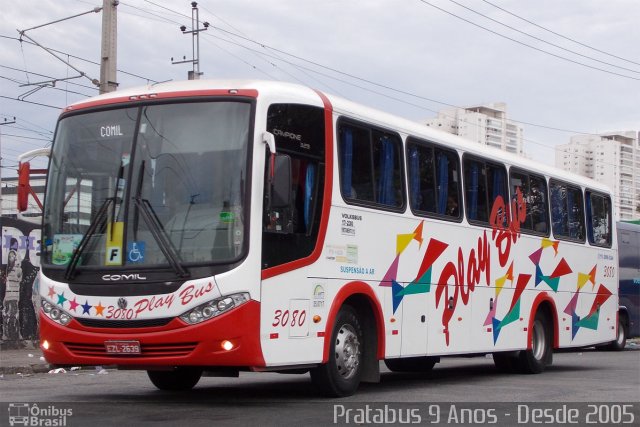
[(99, 309), (86, 308), (61, 299), (52, 292), (74, 304)]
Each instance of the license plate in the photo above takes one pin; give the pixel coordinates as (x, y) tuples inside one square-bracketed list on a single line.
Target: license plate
[(122, 347)]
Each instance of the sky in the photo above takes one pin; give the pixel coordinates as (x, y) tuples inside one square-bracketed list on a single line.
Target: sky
[(562, 67)]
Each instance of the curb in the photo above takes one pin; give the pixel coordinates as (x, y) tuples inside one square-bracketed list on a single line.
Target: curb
[(25, 370)]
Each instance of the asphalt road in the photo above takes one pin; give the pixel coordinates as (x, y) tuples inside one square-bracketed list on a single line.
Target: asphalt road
[(89, 398)]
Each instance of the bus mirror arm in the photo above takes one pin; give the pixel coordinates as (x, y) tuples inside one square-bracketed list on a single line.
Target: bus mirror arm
[(270, 140)]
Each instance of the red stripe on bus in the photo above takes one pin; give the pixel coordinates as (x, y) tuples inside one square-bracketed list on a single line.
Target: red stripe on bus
[(251, 93), (544, 297)]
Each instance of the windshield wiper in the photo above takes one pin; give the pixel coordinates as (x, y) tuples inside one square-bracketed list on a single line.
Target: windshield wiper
[(160, 235), (99, 220), (144, 208)]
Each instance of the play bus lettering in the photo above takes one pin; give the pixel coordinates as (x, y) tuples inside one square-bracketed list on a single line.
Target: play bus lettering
[(271, 227)]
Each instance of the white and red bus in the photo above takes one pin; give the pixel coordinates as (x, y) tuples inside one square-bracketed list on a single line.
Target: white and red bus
[(215, 227)]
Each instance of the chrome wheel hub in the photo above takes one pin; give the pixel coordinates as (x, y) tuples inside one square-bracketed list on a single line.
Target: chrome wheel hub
[(347, 351)]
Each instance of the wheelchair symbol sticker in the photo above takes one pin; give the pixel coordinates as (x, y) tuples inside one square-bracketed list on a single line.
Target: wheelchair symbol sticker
[(135, 252)]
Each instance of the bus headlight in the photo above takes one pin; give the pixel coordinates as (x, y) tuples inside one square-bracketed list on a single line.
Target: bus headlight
[(214, 308), (55, 313)]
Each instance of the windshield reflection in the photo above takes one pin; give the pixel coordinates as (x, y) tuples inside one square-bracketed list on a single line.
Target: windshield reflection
[(173, 177)]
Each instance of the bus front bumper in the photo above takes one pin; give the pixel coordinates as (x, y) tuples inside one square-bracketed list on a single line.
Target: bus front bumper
[(230, 340)]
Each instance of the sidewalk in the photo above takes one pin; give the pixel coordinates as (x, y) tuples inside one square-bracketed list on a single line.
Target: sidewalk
[(24, 361)]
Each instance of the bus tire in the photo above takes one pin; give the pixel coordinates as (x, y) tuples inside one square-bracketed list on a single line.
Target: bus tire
[(621, 338), (536, 359), (412, 364), (341, 375), (179, 379)]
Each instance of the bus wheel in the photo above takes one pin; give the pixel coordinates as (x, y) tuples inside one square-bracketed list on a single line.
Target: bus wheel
[(621, 338), (179, 379), (412, 364), (340, 376), (540, 355)]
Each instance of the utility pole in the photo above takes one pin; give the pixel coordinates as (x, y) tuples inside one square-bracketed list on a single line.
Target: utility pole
[(5, 122), (195, 42), (109, 51)]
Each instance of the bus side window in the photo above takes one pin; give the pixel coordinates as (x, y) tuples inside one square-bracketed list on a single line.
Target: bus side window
[(484, 184), (534, 193), (370, 162), (598, 219), (567, 211), (434, 187)]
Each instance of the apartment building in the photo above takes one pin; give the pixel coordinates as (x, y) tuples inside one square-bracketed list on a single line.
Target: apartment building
[(611, 158), (485, 124)]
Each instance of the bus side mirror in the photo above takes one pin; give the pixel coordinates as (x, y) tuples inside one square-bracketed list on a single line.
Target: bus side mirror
[(24, 172), (280, 177), (279, 199)]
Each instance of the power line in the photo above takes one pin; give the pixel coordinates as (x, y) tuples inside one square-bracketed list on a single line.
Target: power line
[(45, 86), (525, 44), (270, 62), (167, 20), (31, 102), (37, 132), (540, 39), (45, 76), (560, 35), (26, 137), (81, 59), (382, 86)]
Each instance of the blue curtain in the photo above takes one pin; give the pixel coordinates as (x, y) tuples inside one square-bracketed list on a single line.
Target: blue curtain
[(414, 177), (498, 185), (386, 194), (499, 190), (589, 219), (308, 192), (474, 176), (443, 183), (557, 207), (347, 161), (570, 214)]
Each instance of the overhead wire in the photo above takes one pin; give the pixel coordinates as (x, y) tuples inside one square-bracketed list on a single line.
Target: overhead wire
[(425, 2), (561, 35), (270, 62), (540, 39), (81, 59)]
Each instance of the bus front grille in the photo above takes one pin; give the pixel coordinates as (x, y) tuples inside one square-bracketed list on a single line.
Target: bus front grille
[(146, 350), (143, 323)]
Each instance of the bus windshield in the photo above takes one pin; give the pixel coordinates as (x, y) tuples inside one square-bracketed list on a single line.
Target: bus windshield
[(147, 186)]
